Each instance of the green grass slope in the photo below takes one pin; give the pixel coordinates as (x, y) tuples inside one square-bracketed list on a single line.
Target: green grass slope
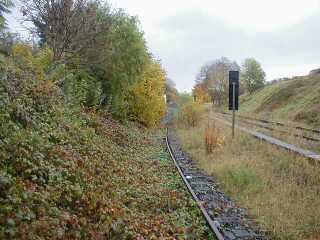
[(296, 100)]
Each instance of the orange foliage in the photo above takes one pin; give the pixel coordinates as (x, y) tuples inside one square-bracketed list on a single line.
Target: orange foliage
[(200, 93), (212, 137)]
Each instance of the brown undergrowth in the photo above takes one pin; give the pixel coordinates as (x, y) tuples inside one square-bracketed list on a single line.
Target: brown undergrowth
[(212, 137)]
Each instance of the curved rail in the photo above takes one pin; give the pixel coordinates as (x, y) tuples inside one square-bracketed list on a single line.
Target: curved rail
[(277, 130), (314, 131), (213, 224), (303, 152)]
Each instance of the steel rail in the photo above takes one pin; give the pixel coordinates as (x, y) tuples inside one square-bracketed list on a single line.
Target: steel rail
[(315, 131), (252, 121), (211, 223), (303, 152)]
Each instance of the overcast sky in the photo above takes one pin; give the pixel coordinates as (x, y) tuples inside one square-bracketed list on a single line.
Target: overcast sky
[(283, 35)]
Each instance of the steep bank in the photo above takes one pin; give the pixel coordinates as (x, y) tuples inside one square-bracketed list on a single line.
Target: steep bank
[(296, 100), (92, 178), (68, 172)]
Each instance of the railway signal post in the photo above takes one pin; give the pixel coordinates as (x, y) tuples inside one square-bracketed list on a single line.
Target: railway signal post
[(233, 95)]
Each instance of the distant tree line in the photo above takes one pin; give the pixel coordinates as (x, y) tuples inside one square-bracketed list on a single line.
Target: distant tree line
[(213, 79)]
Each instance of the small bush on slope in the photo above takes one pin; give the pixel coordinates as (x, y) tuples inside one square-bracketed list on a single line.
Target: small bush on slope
[(190, 113)]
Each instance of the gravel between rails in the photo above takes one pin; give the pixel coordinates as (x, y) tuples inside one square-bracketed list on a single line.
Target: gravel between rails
[(231, 220)]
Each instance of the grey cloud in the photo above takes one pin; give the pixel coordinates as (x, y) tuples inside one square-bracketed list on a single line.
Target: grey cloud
[(191, 39)]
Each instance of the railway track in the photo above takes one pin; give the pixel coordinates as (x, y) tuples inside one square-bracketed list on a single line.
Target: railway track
[(224, 217), (275, 141), (308, 134)]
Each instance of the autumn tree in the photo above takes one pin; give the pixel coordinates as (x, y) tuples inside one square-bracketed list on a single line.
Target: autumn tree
[(252, 75), (6, 38), (215, 76), (102, 51), (93, 40), (146, 99), (124, 62), (66, 26), (200, 93)]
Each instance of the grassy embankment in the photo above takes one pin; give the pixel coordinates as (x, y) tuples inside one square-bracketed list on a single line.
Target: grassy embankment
[(296, 100), (280, 189)]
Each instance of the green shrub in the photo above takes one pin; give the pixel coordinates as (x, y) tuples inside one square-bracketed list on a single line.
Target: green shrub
[(82, 89), (190, 113)]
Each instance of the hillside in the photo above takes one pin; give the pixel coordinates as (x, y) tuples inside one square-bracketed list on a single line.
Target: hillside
[(294, 100), (81, 145), (76, 173)]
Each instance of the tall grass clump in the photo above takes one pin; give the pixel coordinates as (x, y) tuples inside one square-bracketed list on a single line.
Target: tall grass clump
[(212, 137)]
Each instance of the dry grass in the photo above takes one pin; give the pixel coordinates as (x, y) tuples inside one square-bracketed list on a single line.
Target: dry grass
[(280, 189), (288, 136), (212, 137)]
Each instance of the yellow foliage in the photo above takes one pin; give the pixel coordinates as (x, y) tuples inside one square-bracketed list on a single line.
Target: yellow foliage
[(212, 137), (191, 113), (42, 61), (44, 57), (146, 100), (22, 53), (200, 93), (173, 96)]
